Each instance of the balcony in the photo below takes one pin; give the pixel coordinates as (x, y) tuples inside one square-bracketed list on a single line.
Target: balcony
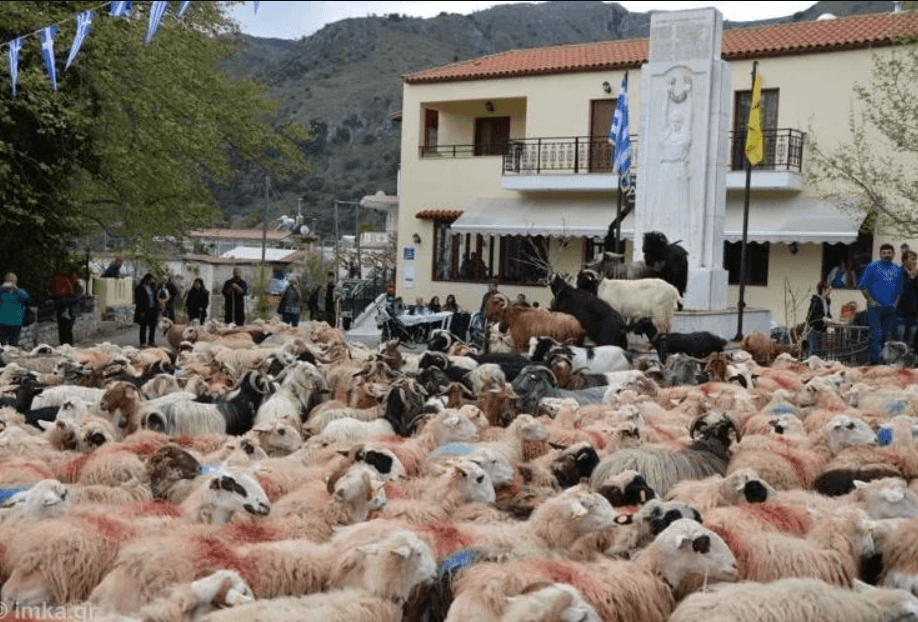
[(584, 163)]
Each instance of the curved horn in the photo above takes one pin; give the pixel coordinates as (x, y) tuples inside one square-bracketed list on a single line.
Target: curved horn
[(697, 425)]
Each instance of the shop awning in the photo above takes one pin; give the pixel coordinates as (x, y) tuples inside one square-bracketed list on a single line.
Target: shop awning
[(559, 218), (801, 220), (786, 220)]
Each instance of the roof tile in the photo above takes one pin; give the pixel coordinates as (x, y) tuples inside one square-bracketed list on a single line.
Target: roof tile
[(439, 214), (878, 29)]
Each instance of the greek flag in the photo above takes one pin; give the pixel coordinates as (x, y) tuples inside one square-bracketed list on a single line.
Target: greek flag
[(47, 52), (182, 6), (157, 9), (84, 21), (120, 9), (13, 54), (256, 7), (618, 136)]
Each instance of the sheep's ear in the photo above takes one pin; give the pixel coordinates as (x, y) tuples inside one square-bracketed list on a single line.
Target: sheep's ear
[(45, 425), (578, 511), (702, 544), (858, 484), (402, 551), (624, 519)]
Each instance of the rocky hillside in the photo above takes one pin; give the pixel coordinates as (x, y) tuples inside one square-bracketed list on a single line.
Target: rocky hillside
[(343, 82)]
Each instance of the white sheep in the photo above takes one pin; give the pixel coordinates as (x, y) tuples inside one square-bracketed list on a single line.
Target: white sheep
[(642, 297), (795, 600)]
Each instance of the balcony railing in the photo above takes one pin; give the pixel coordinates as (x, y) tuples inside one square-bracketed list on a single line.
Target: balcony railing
[(585, 154)]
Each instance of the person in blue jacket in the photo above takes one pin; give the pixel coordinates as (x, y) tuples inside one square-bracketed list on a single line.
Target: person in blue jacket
[(881, 283), (13, 301)]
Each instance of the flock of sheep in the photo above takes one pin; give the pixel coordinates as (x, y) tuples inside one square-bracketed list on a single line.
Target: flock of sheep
[(266, 472)]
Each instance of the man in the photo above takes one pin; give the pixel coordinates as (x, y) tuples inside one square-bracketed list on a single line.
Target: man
[(881, 285), (146, 311), (167, 293), (13, 301), (327, 299), (113, 271), (66, 293), (234, 293)]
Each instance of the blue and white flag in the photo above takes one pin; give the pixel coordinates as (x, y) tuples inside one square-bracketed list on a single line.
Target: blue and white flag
[(256, 7), (182, 6), (46, 35), (84, 21), (157, 9), (13, 55), (120, 9), (618, 136)]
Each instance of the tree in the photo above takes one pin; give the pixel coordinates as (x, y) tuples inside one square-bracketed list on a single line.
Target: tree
[(135, 138), (878, 164)]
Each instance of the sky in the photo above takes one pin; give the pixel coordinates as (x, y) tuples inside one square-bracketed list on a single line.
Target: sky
[(292, 20)]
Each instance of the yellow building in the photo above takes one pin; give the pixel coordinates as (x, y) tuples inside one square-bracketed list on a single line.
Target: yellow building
[(505, 162)]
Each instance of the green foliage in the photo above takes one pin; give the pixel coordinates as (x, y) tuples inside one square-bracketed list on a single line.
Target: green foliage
[(878, 163), (135, 137)]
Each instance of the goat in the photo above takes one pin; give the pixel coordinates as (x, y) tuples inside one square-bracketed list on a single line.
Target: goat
[(603, 324), (698, 344)]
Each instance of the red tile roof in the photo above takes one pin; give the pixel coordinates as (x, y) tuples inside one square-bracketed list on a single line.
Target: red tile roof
[(862, 31), (239, 234), (439, 214)]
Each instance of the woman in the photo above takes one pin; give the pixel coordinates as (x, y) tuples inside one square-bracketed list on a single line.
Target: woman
[(819, 317), (451, 305), (907, 308), (146, 310), (196, 302), (291, 302), (12, 310), (434, 304)]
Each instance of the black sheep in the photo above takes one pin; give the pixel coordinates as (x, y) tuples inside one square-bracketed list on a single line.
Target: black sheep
[(669, 261), (698, 344), (602, 323)]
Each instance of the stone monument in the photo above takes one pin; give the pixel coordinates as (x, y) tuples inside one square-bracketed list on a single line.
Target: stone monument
[(685, 110)]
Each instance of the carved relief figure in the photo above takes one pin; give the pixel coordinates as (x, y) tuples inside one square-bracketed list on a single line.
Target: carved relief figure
[(672, 214)]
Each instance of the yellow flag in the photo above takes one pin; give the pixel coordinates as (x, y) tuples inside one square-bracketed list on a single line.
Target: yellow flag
[(754, 144)]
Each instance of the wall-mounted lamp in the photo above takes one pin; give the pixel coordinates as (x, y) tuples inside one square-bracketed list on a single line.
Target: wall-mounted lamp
[(606, 87), (489, 106), (793, 248), (416, 238)]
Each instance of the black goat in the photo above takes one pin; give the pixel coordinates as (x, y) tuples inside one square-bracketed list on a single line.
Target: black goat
[(669, 261), (698, 344), (602, 323)]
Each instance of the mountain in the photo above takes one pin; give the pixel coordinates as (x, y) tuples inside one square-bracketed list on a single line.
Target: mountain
[(343, 82)]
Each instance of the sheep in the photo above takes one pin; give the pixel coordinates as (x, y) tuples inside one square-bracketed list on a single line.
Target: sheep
[(351, 605), (535, 382), (527, 322), (795, 600), (669, 260), (465, 482), (741, 486), (235, 415), (654, 298), (301, 387), (697, 344), (549, 603), (45, 499), (646, 589), (603, 324), (219, 590), (663, 468), (594, 360), (612, 266)]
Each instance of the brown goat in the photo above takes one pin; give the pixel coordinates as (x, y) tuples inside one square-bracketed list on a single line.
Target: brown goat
[(526, 322)]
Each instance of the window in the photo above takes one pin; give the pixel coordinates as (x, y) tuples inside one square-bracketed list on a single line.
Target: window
[(741, 105), (460, 257), (849, 259), (523, 259), (431, 126), (756, 262), (492, 135)]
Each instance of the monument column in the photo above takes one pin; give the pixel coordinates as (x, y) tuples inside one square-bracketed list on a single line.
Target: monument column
[(685, 109)]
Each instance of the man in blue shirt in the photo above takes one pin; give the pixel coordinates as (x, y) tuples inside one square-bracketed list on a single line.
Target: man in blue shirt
[(881, 285)]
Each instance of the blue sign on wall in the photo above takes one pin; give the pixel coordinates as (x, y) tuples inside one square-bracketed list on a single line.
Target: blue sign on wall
[(409, 252)]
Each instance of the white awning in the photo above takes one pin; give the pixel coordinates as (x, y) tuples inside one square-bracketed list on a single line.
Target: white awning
[(800, 219), (797, 219), (556, 218)]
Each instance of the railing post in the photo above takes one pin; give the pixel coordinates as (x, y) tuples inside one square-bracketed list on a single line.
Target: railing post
[(539, 158), (576, 154)]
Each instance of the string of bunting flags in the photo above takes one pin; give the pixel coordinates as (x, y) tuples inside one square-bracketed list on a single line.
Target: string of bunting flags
[(83, 26)]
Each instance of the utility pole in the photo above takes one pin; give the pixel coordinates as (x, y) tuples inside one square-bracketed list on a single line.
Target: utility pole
[(356, 228)]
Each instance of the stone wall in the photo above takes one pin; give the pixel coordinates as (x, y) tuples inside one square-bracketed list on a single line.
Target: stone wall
[(88, 323)]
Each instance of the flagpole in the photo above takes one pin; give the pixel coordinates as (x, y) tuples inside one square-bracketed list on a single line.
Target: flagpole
[(741, 304)]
